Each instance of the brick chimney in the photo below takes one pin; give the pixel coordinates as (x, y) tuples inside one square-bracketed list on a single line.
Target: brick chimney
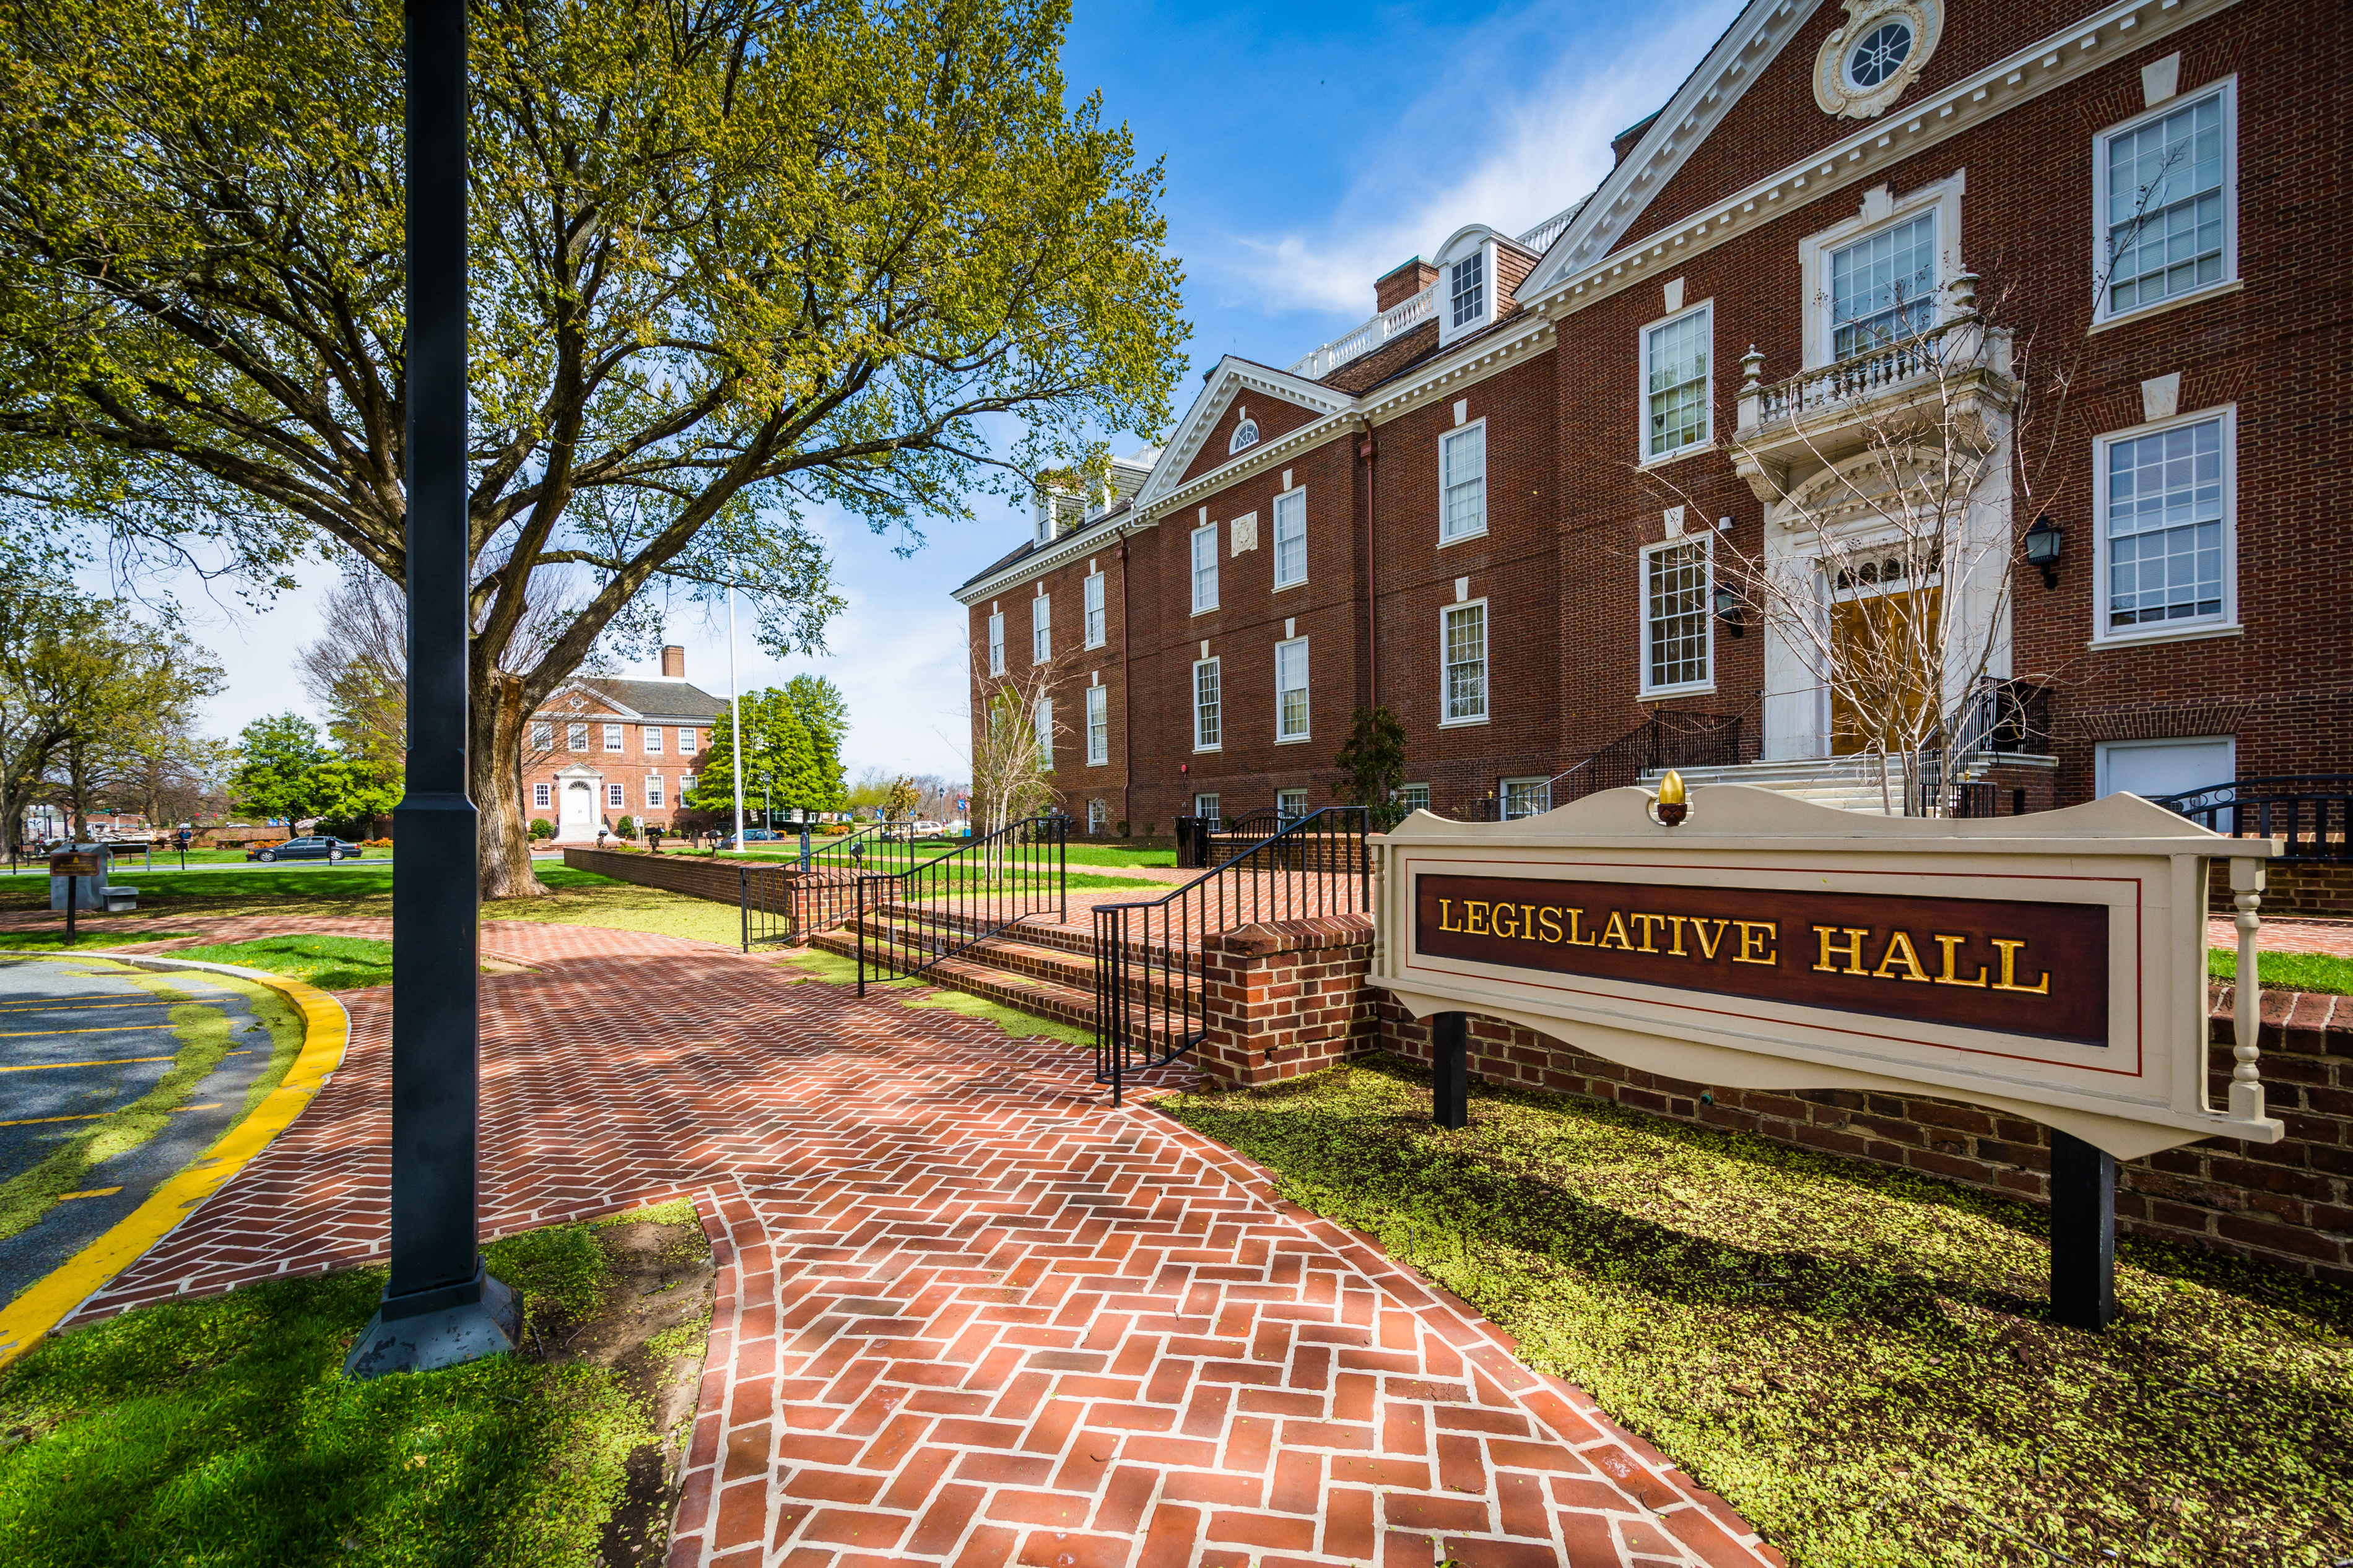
[(674, 661), (1624, 142), (1395, 287)]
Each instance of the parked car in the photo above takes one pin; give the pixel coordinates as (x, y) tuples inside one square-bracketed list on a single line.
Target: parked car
[(927, 829), (311, 848), (751, 835)]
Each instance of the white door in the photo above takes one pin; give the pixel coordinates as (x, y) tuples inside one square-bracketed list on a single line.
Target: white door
[(579, 808), (2153, 769)]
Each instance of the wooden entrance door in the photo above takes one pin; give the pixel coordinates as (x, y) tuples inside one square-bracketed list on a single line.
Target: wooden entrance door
[(1884, 654)]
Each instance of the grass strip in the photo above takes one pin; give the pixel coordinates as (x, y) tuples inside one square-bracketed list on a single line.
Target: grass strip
[(55, 942), (328, 963), (2287, 971), (222, 1432), (1862, 1360)]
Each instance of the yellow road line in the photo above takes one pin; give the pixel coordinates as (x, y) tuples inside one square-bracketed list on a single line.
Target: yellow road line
[(82, 1001), (98, 1115), (43, 1304), (92, 1193), (101, 1029), (102, 1062)]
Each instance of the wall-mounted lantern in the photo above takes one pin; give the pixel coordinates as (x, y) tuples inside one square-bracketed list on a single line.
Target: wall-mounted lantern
[(1730, 610), (2043, 546)]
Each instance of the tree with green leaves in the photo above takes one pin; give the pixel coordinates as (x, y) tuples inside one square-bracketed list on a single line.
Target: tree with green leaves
[(731, 262), (824, 712), (1373, 760), (781, 769), (274, 759)]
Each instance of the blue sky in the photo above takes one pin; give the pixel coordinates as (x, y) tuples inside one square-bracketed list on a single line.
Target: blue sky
[(1309, 149)]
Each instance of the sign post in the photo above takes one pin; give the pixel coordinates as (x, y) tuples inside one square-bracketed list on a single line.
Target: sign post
[(2052, 967), (73, 865)]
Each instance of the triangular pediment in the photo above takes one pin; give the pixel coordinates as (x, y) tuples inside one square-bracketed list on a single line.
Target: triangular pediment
[(1279, 403)]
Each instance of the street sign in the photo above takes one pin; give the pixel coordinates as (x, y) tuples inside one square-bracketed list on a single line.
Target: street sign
[(2052, 966)]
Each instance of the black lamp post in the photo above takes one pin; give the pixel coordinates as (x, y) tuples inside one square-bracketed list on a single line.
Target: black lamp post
[(1730, 610), (2042, 543), (441, 1306)]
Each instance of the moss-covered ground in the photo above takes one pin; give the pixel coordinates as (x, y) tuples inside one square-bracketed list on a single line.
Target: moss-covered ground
[(222, 1432), (1861, 1360)]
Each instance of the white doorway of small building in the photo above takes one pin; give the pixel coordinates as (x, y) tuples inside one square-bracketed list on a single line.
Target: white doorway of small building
[(579, 810), (2154, 769)]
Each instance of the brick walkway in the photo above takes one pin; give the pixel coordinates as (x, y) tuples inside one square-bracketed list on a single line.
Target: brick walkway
[(968, 1314)]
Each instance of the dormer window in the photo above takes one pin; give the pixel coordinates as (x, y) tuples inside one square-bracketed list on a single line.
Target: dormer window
[(1245, 434), (1468, 287)]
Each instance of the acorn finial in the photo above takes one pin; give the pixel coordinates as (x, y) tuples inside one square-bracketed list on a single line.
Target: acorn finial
[(1670, 789)]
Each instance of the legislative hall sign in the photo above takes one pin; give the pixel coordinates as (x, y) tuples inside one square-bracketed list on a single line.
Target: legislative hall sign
[(2052, 965)]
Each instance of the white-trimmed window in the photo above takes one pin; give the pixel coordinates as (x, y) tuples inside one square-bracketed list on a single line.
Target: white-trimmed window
[(1044, 715), (1466, 288), (1413, 798), (1206, 806), (1463, 483), (1093, 604), (1677, 636), (997, 644), (685, 785), (615, 797), (1883, 286), (652, 738), (685, 743), (1245, 435), (1205, 567), (1290, 805), (2167, 548), (1678, 382), (543, 734), (1291, 539), (1097, 725), (576, 737), (1462, 637), (612, 737), (543, 796), (653, 792), (1291, 689), (1526, 797), (1098, 816), (1208, 706), (2167, 189), (1041, 629)]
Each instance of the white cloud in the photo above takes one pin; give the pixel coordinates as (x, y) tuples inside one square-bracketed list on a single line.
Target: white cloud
[(1532, 155)]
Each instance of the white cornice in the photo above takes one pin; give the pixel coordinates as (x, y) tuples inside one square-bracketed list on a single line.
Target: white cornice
[(1528, 331), (2052, 61), (1087, 539), (1231, 378)]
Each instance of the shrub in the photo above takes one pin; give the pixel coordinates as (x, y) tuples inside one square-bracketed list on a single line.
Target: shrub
[(542, 828), (626, 827), (1122, 829)]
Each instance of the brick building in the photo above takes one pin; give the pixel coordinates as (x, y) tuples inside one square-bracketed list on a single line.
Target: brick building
[(1505, 504), (601, 749)]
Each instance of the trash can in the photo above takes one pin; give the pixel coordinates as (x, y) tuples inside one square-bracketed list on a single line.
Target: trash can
[(1193, 843)]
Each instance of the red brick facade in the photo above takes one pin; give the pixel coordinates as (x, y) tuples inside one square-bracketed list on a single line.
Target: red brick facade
[(1557, 379), (599, 750)]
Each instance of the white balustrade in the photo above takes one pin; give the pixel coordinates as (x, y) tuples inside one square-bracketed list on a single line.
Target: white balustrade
[(1390, 323)]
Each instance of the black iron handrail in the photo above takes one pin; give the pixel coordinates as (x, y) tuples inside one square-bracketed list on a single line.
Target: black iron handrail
[(774, 904), (2314, 811), (1667, 738), (1149, 1002), (944, 905)]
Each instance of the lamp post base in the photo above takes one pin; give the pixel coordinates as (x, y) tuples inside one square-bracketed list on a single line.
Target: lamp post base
[(448, 1326)]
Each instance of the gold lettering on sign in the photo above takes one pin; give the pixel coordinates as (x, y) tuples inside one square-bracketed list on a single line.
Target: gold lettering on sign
[(1614, 933), (1549, 916), (1852, 947), (1443, 906), (1948, 977), (2010, 970), (1707, 945), (1506, 920), (1900, 951), (1752, 946), (1574, 916), (1474, 916), (1650, 924)]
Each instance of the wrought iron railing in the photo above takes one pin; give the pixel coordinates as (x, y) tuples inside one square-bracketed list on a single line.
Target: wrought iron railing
[(2009, 717), (2314, 811), (775, 905), (1149, 1002), (908, 920), (1668, 738)]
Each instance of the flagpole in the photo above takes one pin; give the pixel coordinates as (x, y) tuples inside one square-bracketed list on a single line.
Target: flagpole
[(735, 713)]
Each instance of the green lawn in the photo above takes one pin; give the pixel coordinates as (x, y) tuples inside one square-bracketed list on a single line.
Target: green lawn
[(328, 963), (85, 941), (2287, 971), (222, 1432), (1861, 1360)]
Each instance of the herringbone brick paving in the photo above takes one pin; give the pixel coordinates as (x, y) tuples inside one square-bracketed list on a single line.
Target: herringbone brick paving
[(968, 1314)]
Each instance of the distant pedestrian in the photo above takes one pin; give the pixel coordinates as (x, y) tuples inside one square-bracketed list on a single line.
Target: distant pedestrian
[(653, 837)]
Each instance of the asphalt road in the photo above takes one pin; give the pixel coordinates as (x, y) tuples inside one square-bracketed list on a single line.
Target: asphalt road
[(79, 1039)]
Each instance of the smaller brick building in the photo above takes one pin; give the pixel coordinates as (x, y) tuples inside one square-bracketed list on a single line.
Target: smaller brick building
[(603, 748)]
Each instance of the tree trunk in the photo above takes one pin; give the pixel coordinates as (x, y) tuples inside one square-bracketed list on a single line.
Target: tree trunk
[(494, 775)]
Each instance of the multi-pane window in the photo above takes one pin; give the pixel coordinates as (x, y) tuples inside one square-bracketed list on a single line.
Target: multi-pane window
[(1676, 640), (2165, 517), (685, 743), (653, 740), (614, 797), (576, 737), (1206, 806), (1097, 816), (1095, 609), (612, 737), (1205, 567), (1290, 805), (543, 735), (997, 645), (1526, 797), (1041, 629), (1413, 798), (1291, 689), (1883, 287), (1465, 637), (1467, 292), (2167, 204), (653, 790), (1290, 539), (542, 796), (1463, 479), (1675, 360), (1097, 725), (1045, 717), (1209, 712), (685, 785)]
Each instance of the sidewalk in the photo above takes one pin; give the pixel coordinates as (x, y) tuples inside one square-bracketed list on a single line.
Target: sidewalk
[(966, 1313)]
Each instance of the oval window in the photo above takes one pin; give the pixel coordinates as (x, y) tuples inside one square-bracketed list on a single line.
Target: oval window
[(1882, 50)]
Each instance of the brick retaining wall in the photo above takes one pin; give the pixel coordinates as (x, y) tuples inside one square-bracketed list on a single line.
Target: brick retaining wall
[(1291, 997), (694, 874), (2291, 888)]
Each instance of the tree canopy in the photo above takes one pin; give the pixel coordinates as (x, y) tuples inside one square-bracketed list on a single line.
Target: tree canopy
[(791, 752), (731, 262)]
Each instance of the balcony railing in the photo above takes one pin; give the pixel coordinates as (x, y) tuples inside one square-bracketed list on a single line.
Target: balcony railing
[(1394, 322)]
